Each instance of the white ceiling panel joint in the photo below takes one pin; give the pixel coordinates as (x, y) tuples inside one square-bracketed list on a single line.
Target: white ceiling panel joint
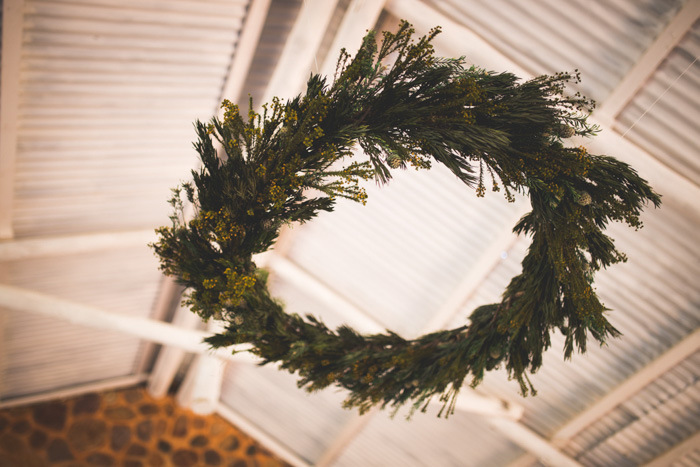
[(637, 76)]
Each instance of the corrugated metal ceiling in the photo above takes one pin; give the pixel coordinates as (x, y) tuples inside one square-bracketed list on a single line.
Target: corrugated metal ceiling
[(108, 92)]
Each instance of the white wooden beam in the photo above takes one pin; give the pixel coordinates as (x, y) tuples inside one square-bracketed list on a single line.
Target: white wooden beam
[(677, 452), (12, 27), (350, 430), (21, 249), (664, 179), (201, 389), (629, 387), (170, 358), (532, 442), (623, 392), (455, 39), (469, 401), (190, 340), (302, 280), (245, 50), (299, 53), (646, 65)]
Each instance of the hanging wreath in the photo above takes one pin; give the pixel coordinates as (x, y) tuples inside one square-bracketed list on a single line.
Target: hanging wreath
[(281, 166)]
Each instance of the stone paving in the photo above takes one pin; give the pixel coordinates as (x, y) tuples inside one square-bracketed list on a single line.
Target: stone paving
[(123, 428)]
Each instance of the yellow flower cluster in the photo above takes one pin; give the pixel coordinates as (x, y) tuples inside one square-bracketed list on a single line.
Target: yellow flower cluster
[(236, 286), (419, 161), (290, 116), (315, 134), (230, 111), (219, 223)]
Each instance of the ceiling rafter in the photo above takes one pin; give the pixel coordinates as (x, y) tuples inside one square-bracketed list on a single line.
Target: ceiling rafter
[(677, 452), (12, 29), (260, 435), (631, 386), (637, 76), (201, 388), (170, 358), (64, 393), (190, 340), (484, 265)]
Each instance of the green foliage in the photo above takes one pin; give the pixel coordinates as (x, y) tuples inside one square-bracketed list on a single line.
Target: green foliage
[(403, 106)]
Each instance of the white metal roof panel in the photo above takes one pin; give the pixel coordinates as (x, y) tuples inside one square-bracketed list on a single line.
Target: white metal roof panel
[(42, 353), (661, 415), (602, 38), (108, 93)]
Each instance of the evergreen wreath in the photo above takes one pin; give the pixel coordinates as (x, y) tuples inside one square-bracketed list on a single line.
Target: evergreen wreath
[(281, 166)]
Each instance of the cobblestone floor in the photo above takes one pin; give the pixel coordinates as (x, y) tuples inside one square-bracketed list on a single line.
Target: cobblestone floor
[(123, 428)]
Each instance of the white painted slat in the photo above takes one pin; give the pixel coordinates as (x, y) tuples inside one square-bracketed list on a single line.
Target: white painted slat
[(116, 13), (191, 7), (137, 29)]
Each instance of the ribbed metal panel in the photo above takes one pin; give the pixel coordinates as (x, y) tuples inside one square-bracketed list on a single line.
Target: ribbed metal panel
[(660, 416), (109, 90), (664, 117), (425, 440), (400, 256), (41, 353), (602, 38)]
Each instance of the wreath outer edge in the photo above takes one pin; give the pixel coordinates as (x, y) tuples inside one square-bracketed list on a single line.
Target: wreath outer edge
[(403, 106)]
